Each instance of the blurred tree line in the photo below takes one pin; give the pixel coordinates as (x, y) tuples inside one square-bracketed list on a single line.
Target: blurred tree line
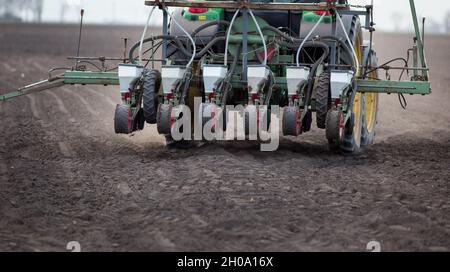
[(20, 10)]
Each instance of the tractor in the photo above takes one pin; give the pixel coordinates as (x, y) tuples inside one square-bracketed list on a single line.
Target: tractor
[(314, 60)]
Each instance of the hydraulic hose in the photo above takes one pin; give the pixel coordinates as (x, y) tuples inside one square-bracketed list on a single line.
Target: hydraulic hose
[(313, 43), (204, 49), (179, 45), (225, 59), (313, 72), (307, 37), (281, 33), (262, 37), (307, 44), (145, 33), (234, 64), (194, 49), (228, 77), (350, 42), (154, 38), (294, 43), (205, 26), (343, 44)]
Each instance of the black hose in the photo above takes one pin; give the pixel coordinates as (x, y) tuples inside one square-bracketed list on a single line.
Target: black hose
[(280, 33), (185, 91), (152, 56), (384, 66), (209, 45), (229, 75), (204, 49), (154, 38), (319, 40), (294, 43), (310, 87), (90, 63), (178, 44), (324, 46), (204, 26), (343, 44), (270, 91)]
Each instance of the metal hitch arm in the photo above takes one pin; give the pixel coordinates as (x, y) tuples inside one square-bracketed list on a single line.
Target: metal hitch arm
[(69, 77)]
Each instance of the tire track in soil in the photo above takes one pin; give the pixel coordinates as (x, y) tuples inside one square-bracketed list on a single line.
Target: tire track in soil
[(53, 163), (61, 106), (79, 97), (62, 133), (104, 97), (59, 163), (33, 106), (9, 68), (17, 187), (63, 146), (92, 126), (38, 66), (74, 163)]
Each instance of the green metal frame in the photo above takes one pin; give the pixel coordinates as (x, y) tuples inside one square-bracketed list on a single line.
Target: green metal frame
[(33, 88), (419, 42), (368, 86), (391, 86), (422, 86), (91, 78), (69, 77)]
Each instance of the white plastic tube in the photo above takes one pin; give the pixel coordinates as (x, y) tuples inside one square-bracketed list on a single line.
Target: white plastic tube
[(262, 37), (145, 33), (194, 49), (307, 38), (350, 42), (225, 59)]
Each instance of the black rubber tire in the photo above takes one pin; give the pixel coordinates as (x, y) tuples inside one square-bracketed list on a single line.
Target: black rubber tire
[(333, 132), (290, 118), (251, 110), (122, 120), (323, 99), (139, 123), (368, 136), (163, 119), (151, 82), (350, 144), (307, 121)]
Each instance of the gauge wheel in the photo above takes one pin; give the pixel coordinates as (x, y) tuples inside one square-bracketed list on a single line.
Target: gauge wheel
[(151, 82), (123, 120), (334, 129), (292, 121), (323, 99), (164, 119)]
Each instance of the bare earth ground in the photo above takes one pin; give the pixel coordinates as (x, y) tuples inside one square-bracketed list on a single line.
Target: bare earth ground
[(65, 176)]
